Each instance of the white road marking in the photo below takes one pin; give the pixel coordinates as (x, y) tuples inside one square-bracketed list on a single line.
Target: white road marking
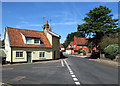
[(77, 83), (62, 63), (72, 74), (7, 68), (75, 79)]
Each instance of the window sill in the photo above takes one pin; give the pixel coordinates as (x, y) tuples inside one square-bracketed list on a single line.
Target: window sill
[(41, 58), (19, 57)]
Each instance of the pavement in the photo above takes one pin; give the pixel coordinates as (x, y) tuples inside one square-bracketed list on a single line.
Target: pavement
[(70, 71)]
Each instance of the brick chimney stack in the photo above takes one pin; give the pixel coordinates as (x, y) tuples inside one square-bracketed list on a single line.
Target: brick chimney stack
[(46, 26)]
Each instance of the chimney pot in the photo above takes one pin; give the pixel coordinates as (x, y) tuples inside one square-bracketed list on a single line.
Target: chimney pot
[(46, 22)]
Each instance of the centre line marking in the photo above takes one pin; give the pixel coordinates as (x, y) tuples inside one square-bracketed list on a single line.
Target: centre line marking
[(72, 74), (77, 83), (62, 63), (75, 79)]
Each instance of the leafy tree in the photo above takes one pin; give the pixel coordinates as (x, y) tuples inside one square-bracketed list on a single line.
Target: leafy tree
[(98, 22), (79, 50), (109, 39), (70, 38), (90, 48), (2, 42)]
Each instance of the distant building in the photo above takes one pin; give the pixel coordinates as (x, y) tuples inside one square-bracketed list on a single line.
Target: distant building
[(62, 49), (69, 49), (78, 43), (23, 45)]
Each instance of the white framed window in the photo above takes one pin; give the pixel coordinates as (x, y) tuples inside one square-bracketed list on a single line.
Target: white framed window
[(85, 46), (42, 54), (19, 54), (28, 40), (74, 46), (36, 41), (81, 46)]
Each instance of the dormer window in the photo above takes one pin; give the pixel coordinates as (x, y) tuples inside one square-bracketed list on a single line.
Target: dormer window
[(36, 41), (29, 41)]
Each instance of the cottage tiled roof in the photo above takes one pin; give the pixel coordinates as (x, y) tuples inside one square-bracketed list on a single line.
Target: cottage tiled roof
[(81, 41), (16, 39)]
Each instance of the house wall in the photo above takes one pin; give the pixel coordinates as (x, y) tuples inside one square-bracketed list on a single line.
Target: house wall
[(7, 46), (55, 46), (62, 48), (49, 36), (68, 52), (34, 51), (54, 41)]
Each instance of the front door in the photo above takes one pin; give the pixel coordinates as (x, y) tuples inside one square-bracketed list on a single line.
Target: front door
[(29, 60)]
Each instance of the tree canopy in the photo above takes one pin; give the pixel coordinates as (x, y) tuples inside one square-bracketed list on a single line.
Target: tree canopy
[(99, 21)]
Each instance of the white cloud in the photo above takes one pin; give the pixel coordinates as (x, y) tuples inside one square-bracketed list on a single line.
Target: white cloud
[(27, 25), (65, 23), (35, 25), (24, 22), (17, 26)]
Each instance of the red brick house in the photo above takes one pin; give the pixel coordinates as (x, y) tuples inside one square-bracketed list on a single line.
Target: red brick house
[(62, 49), (79, 43)]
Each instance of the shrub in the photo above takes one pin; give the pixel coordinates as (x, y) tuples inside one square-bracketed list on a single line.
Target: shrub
[(111, 51), (108, 40), (79, 51), (90, 48), (95, 55)]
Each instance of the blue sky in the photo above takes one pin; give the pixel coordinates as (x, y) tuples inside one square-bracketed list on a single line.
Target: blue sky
[(64, 16)]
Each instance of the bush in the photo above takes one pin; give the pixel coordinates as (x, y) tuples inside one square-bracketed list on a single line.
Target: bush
[(111, 51), (108, 40), (95, 55), (79, 51)]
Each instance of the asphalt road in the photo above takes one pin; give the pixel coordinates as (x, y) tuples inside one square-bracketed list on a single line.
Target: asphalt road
[(91, 72), (74, 70)]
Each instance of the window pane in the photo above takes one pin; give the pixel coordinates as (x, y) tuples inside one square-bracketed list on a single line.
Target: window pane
[(40, 54), (36, 40), (21, 54), (43, 54), (17, 54), (29, 40)]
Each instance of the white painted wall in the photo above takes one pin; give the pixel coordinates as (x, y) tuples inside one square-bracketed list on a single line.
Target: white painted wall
[(7, 47), (34, 51), (62, 48), (68, 52)]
